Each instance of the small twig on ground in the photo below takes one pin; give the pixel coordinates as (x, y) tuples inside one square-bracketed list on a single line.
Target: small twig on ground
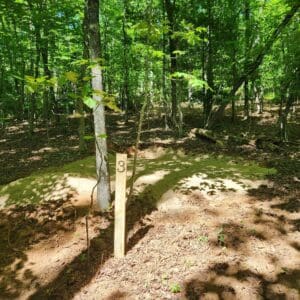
[(87, 238)]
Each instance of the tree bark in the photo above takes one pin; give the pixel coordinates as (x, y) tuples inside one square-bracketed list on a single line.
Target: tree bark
[(170, 9), (125, 89), (103, 183), (164, 64), (246, 55), (208, 104), (233, 50)]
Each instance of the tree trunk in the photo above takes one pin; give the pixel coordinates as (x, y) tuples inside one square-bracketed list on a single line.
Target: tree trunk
[(246, 56), (209, 68), (170, 9), (125, 89), (233, 53), (103, 183), (80, 105), (164, 64)]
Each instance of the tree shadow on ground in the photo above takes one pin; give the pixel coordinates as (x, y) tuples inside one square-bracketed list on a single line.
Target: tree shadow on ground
[(84, 266), (21, 155), (224, 281), (285, 188), (23, 227), (118, 295)]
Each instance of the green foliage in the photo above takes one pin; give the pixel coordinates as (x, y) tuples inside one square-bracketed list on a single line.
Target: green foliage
[(175, 288), (44, 65), (221, 237), (72, 76), (203, 239), (190, 33), (194, 82), (89, 102)]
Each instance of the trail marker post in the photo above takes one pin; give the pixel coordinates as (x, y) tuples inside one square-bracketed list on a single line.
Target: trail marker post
[(120, 205)]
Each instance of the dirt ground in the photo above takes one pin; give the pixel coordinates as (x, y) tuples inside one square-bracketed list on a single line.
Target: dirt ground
[(199, 246), (203, 237)]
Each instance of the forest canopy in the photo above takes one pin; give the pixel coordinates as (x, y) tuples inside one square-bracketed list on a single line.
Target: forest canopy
[(210, 52)]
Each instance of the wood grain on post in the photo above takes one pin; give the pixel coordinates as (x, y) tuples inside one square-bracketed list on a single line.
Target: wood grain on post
[(120, 205)]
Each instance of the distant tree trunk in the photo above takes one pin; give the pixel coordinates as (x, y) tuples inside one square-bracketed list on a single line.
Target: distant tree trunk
[(252, 67), (164, 64), (49, 96), (259, 101), (170, 9), (22, 89), (246, 56), (125, 89), (103, 186), (284, 117), (234, 73), (80, 105), (32, 106), (208, 104), (34, 68), (290, 94)]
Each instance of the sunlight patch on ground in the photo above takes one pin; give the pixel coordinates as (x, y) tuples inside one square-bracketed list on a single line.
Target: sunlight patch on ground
[(82, 188), (3, 200), (163, 168), (215, 188), (170, 201), (152, 152), (150, 179), (45, 149)]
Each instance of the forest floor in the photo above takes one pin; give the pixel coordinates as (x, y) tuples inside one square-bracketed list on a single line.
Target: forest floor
[(207, 220)]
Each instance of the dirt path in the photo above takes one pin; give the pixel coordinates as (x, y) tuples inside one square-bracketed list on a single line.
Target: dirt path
[(208, 237), (202, 246)]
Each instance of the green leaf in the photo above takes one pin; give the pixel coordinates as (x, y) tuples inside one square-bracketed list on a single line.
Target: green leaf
[(89, 137), (102, 136), (72, 76), (175, 288), (89, 101), (80, 62), (157, 53), (179, 52), (194, 82), (52, 81)]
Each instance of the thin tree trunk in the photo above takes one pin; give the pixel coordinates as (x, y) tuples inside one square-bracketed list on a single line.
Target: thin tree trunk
[(103, 183), (164, 64), (125, 89), (246, 56), (209, 67), (80, 106), (170, 9)]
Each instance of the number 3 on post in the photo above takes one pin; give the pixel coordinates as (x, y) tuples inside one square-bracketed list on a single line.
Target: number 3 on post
[(120, 205)]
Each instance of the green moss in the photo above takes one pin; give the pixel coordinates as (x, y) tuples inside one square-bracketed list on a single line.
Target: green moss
[(42, 185), (180, 167), (31, 189)]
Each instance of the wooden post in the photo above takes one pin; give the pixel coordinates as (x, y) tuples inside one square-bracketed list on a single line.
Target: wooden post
[(120, 205)]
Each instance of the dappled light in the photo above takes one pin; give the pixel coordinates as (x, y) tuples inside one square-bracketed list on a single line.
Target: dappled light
[(149, 150), (200, 195)]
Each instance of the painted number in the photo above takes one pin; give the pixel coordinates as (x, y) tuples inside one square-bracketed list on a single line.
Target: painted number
[(121, 166)]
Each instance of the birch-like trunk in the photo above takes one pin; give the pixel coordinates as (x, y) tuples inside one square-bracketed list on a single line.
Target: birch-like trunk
[(103, 183)]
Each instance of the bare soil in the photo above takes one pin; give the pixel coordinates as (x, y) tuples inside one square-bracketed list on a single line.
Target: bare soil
[(225, 246), (237, 240)]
